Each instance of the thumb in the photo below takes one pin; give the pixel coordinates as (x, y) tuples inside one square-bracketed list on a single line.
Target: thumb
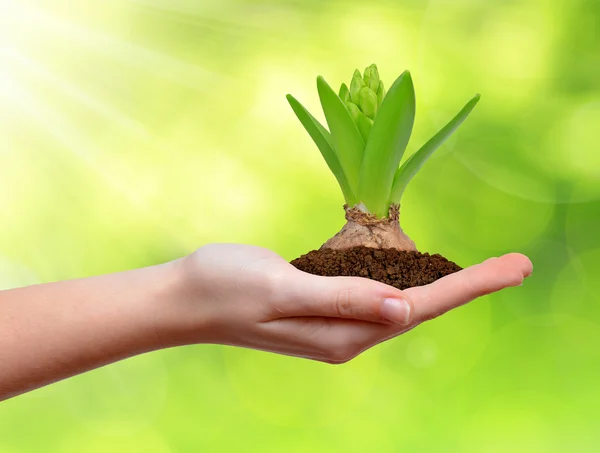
[(347, 297)]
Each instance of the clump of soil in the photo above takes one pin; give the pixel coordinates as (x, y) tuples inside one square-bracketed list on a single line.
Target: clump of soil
[(398, 268)]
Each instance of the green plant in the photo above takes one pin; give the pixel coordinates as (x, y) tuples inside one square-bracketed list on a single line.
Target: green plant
[(369, 130)]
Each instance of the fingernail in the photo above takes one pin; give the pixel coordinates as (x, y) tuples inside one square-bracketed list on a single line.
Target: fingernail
[(396, 311)]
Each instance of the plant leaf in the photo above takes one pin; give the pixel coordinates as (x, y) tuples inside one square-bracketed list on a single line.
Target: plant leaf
[(364, 125), (414, 163), (322, 139), (347, 141), (380, 93), (387, 141)]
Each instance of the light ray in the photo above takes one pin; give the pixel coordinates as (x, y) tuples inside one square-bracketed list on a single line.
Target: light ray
[(127, 53), (50, 120), (189, 14), (27, 30), (71, 90), (53, 123), (7, 82)]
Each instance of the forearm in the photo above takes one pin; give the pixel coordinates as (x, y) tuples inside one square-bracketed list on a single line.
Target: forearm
[(52, 331)]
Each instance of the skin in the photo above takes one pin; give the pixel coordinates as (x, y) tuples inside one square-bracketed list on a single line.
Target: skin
[(227, 294)]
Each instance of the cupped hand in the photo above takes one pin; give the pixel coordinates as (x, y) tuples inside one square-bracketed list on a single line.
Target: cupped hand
[(251, 297)]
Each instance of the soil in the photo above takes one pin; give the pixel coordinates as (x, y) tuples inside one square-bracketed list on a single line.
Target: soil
[(401, 269)]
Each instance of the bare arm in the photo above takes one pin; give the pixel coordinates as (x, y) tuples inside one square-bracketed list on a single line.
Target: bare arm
[(224, 294), (55, 330)]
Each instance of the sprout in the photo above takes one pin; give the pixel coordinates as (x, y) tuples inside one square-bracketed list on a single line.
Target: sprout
[(369, 130)]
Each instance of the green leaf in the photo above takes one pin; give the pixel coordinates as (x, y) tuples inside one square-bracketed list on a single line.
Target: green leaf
[(364, 125), (387, 141), (322, 139), (380, 93), (347, 141), (414, 163)]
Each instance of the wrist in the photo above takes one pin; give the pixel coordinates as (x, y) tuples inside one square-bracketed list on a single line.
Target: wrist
[(179, 313)]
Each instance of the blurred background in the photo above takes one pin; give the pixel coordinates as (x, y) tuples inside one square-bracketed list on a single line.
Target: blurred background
[(133, 132)]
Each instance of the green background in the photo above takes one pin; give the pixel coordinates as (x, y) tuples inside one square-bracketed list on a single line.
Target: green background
[(133, 132)]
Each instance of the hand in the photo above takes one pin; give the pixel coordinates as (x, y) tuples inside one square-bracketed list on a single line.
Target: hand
[(251, 297)]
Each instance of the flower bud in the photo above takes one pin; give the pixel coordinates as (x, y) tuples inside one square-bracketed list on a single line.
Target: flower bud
[(367, 75), (356, 85), (372, 77), (368, 102), (344, 93), (354, 111)]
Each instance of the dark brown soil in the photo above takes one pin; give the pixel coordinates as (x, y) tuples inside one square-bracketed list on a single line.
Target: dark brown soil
[(397, 268)]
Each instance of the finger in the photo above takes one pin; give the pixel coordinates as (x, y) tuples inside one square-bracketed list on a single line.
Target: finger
[(343, 297), (457, 289)]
